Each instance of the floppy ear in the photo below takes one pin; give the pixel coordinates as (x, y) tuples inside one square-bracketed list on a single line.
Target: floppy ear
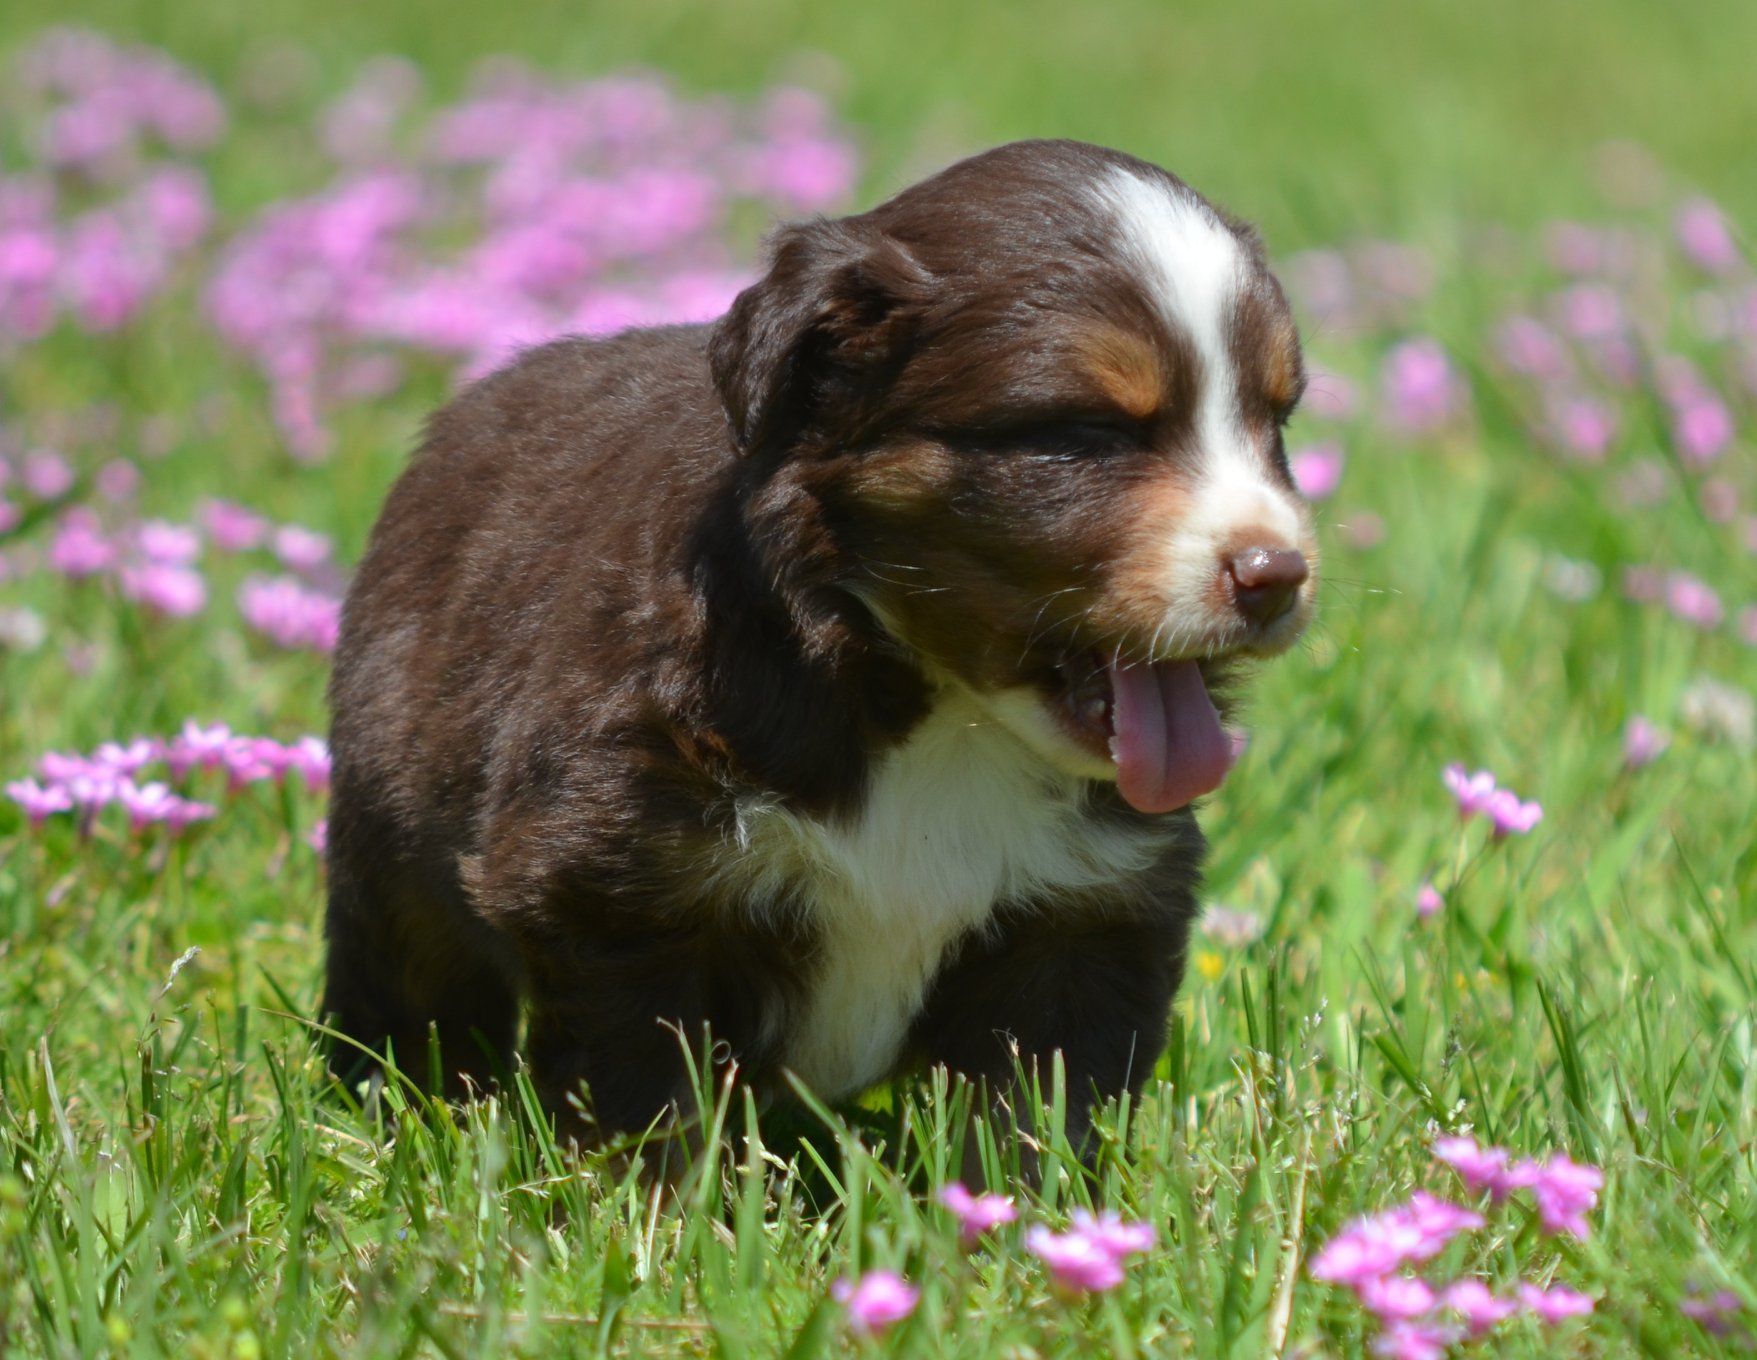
[(809, 346)]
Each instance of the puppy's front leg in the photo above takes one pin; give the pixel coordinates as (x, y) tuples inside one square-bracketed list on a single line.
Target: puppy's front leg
[(1095, 991)]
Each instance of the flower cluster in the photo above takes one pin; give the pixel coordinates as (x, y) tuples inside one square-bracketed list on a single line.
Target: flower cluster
[(528, 210), (107, 123), (290, 614), (1479, 795), (111, 775), (1420, 1321), (1087, 1258), (1565, 1191)]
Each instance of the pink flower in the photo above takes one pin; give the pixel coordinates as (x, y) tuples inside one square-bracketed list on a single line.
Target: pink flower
[(117, 480), (126, 760), (1372, 1247), (1473, 791), (1478, 1167), (47, 476), (1528, 346), (299, 548), (290, 614), (1583, 427), (1702, 427), (1475, 1305), (1511, 816), (309, 758), (1704, 237), (1428, 902), (232, 527), (145, 803), (1421, 388), (1693, 601), (977, 1214), (1397, 1298), (1715, 1312), (1566, 1192), (877, 1300), (318, 838), (1415, 1341), (1317, 471), (197, 747), (1111, 1234), (1643, 743), (1077, 1263), (78, 550), (37, 801), (176, 591), (1554, 1304), (169, 544)]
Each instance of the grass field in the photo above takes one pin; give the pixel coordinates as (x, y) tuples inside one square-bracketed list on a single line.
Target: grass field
[(1540, 535)]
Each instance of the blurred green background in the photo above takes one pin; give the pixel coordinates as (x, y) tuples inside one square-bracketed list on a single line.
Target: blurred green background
[(1317, 118)]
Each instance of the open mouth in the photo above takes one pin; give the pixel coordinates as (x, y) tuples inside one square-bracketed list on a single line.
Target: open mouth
[(1155, 721)]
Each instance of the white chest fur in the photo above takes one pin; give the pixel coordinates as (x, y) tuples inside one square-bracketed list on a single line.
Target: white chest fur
[(959, 818)]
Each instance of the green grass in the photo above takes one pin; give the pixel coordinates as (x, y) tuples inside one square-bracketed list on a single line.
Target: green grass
[(177, 1179)]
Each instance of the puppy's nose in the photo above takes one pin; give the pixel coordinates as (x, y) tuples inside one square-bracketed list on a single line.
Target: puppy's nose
[(1265, 581)]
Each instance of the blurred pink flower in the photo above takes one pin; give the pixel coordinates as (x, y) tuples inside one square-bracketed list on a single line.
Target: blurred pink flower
[(1473, 791), (1396, 1298), (318, 837), (1529, 347), (1643, 743), (78, 550), (1415, 1341), (117, 480), (1510, 816), (47, 476), (1076, 1263), (290, 614), (232, 527), (879, 1299), (977, 1214), (1702, 427), (39, 802), (1421, 388), (1693, 601), (168, 544), (1474, 1304), (1583, 427), (300, 549), (1554, 1304), (1317, 470), (174, 591), (1704, 236), (1428, 902), (1566, 1191)]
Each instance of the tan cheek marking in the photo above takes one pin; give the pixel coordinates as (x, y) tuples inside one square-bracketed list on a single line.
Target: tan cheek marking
[(909, 479), (1127, 370), (1133, 603)]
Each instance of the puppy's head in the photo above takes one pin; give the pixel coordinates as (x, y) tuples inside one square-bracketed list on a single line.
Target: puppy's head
[(1035, 406)]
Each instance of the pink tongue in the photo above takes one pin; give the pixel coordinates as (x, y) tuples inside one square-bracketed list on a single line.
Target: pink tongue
[(1168, 743)]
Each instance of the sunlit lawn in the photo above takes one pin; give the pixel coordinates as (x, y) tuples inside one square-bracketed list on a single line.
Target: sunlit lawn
[(178, 1178)]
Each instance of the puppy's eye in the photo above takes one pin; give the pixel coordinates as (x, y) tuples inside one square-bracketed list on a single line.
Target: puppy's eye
[(1079, 436)]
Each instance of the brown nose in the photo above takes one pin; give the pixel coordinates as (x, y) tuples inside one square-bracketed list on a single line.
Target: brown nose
[(1265, 582)]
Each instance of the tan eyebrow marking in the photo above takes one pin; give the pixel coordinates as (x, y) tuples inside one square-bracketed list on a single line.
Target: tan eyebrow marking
[(1126, 369), (1283, 375)]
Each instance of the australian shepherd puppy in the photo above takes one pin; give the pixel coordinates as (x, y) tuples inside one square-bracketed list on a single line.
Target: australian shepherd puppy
[(835, 679)]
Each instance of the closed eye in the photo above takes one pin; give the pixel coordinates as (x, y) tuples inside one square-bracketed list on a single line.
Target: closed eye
[(1074, 436)]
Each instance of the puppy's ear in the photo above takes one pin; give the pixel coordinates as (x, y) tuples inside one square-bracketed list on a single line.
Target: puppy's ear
[(810, 345)]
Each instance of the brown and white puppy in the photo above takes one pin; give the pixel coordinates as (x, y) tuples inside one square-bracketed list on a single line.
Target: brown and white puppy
[(836, 676)]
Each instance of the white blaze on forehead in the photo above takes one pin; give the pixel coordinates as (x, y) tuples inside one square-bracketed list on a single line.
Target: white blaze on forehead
[(1194, 268)]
